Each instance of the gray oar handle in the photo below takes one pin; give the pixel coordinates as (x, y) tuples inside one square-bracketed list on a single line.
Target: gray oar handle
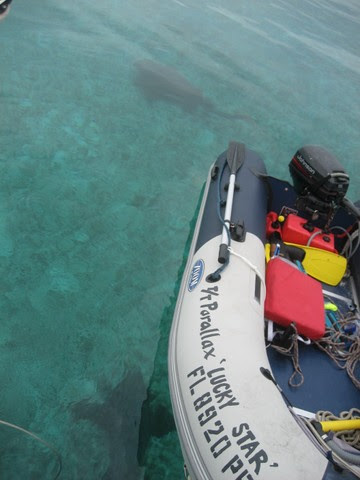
[(223, 253)]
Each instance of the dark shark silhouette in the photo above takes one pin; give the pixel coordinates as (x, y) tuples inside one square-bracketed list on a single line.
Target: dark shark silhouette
[(159, 82), (118, 417)]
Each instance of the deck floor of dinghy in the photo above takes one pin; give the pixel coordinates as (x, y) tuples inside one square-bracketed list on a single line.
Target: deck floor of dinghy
[(325, 387)]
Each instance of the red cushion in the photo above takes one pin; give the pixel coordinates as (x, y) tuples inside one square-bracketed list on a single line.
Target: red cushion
[(293, 296)]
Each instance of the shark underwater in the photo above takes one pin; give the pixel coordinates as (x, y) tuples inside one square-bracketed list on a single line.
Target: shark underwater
[(118, 416), (159, 82)]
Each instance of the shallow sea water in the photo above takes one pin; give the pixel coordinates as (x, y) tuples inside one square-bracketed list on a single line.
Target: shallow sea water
[(98, 189)]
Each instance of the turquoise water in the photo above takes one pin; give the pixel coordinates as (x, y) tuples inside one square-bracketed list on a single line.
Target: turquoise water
[(98, 188)]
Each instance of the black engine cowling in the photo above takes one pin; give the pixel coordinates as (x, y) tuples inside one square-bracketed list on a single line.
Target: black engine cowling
[(320, 181)]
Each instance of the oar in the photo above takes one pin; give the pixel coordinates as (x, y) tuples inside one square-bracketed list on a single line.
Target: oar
[(235, 158)]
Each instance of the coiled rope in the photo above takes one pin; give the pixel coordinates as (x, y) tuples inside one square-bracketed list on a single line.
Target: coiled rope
[(351, 437), (297, 377), (344, 349), (337, 456)]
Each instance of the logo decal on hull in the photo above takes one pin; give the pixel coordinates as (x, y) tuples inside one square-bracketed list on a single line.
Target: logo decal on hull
[(196, 274)]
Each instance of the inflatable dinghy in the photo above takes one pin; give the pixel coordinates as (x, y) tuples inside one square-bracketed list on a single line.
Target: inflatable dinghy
[(264, 350)]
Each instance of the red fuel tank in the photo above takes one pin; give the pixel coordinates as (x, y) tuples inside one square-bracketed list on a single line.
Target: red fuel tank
[(296, 230), (272, 224)]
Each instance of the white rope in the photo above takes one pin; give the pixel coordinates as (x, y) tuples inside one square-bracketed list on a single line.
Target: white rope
[(249, 264), (39, 439)]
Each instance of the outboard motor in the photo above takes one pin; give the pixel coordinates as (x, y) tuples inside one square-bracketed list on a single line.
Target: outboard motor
[(320, 182)]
